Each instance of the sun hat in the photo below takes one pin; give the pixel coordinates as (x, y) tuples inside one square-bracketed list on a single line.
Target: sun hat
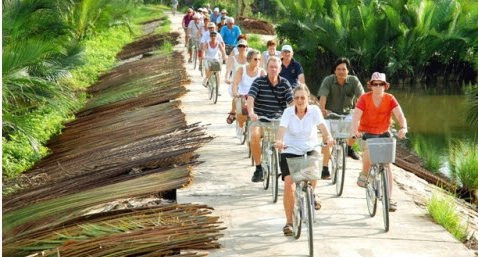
[(379, 77), (216, 9), (200, 9), (213, 33), (242, 42), (286, 48), (211, 25), (224, 11), (196, 16)]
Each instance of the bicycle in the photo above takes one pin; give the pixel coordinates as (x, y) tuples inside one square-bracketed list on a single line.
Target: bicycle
[(339, 128), (213, 82), (303, 169), (270, 156), (195, 53), (381, 152), (241, 133)]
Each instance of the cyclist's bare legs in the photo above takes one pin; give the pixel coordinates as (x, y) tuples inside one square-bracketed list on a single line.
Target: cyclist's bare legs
[(256, 144), (326, 156), (289, 189), (241, 119)]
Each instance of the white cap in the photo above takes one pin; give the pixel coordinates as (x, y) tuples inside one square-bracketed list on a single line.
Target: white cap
[(242, 42), (230, 20), (287, 48), (216, 9), (196, 16)]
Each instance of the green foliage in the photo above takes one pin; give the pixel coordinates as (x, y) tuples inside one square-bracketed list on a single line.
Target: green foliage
[(442, 210), (254, 41), (463, 162), (408, 38), (426, 150), (472, 106), (52, 50)]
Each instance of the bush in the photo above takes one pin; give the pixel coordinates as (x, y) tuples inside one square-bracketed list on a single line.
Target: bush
[(463, 163), (442, 210)]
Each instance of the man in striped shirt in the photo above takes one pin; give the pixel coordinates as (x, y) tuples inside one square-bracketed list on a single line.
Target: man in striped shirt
[(268, 97)]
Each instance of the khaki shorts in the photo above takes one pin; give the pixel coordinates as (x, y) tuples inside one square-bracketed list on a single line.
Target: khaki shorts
[(213, 65)]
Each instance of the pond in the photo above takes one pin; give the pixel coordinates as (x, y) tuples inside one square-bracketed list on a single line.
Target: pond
[(435, 118)]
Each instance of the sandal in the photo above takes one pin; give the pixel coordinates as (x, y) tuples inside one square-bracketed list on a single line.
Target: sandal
[(362, 179), (231, 118), (392, 206), (317, 205), (287, 229)]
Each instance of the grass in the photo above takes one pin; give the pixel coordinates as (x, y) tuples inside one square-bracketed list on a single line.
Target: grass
[(254, 41), (431, 157), (463, 162), (442, 210)]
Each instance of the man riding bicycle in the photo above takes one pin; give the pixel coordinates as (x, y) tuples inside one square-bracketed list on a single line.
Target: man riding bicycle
[(338, 93), (291, 69), (194, 32), (230, 33), (268, 97)]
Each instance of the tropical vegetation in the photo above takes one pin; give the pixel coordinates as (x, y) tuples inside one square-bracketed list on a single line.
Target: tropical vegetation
[(415, 40), (463, 163), (53, 50)]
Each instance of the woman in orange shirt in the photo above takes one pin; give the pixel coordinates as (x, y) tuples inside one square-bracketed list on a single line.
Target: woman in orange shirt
[(374, 111)]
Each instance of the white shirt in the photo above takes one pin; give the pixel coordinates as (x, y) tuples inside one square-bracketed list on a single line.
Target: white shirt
[(301, 134), (194, 29), (246, 80)]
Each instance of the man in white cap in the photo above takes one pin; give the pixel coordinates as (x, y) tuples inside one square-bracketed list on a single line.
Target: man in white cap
[(291, 69), (194, 32), (215, 14)]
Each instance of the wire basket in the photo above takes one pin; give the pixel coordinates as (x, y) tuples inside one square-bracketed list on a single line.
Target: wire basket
[(381, 150), (340, 128), (304, 167), (269, 130)]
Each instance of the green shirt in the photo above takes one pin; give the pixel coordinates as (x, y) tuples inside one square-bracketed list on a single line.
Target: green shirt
[(340, 99)]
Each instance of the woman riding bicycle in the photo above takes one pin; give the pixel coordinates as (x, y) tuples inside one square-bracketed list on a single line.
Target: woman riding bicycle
[(298, 133), (374, 111), (243, 79), (233, 63), (211, 53)]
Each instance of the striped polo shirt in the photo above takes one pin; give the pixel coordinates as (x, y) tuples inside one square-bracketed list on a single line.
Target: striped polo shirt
[(265, 102)]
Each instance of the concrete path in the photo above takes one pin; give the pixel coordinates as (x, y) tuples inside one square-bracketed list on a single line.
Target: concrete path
[(254, 224)]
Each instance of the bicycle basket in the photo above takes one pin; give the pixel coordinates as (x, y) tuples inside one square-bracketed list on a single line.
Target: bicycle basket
[(381, 150), (340, 128), (214, 65), (304, 167), (269, 130)]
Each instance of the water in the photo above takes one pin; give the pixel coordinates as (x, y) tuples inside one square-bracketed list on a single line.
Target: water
[(435, 118)]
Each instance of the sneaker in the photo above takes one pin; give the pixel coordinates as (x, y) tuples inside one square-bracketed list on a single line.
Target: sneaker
[(352, 154), (258, 175), (392, 206), (325, 173)]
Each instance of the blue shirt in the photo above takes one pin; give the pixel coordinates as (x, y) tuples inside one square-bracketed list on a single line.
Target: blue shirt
[(230, 35), (292, 72), (213, 17)]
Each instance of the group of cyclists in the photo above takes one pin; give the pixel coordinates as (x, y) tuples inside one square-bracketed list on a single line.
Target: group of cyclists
[(272, 85)]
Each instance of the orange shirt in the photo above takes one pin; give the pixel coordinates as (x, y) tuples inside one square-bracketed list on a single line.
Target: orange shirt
[(376, 120)]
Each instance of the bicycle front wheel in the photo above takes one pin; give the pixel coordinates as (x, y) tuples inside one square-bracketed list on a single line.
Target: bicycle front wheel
[(333, 163), (265, 168), (310, 218), (216, 88), (297, 211), (371, 195), (195, 57), (340, 173), (274, 174), (385, 199)]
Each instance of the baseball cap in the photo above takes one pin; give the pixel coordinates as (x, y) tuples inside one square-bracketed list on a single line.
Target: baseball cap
[(216, 9), (286, 48), (242, 42)]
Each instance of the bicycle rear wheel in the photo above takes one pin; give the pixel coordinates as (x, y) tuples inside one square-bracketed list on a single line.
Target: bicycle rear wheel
[(385, 199), (340, 173), (310, 218), (371, 195), (195, 56), (297, 211), (265, 168), (274, 175)]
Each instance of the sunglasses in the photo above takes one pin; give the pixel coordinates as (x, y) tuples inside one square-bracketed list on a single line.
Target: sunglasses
[(382, 84), (299, 97), (241, 46), (256, 59)]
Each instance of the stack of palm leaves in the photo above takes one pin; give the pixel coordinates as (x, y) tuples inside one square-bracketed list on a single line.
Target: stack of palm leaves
[(146, 44), (130, 141)]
